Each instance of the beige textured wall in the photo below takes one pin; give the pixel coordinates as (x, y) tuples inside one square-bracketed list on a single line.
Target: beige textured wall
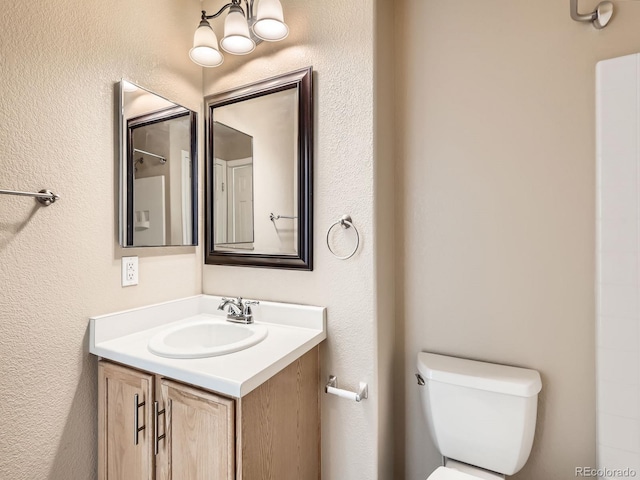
[(321, 35), (60, 264), (385, 234), (497, 194)]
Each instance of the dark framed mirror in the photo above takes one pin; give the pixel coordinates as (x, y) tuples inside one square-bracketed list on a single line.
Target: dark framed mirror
[(258, 178), (158, 169)]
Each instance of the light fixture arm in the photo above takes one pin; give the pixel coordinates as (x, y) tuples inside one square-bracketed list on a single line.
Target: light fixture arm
[(237, 4), (234, 3), (249, 9), (219, 12)]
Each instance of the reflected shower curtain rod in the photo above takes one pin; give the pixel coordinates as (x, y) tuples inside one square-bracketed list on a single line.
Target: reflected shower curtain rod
[(162, 159)]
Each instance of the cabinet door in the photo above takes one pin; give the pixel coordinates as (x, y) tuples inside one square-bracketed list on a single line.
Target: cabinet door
[(200, 434), (124, 425)]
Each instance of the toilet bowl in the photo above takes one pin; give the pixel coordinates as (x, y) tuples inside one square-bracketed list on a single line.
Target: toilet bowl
[(444, 473), (459, 471), (481, 416)]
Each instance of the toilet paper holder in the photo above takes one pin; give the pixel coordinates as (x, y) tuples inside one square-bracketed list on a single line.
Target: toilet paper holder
[(332, 388)]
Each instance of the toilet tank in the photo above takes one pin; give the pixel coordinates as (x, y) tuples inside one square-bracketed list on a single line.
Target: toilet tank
[(479, 413)]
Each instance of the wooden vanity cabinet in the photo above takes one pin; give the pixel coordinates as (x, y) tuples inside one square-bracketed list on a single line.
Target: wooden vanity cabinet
[(272, 433), (121, 453)]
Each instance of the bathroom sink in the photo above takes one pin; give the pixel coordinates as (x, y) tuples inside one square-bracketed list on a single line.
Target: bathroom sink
[(206, 337)]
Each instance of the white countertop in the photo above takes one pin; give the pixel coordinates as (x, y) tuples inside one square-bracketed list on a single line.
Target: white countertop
[(293, 331)]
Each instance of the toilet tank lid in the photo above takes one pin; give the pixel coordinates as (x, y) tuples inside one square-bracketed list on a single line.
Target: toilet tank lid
[(492, 377)]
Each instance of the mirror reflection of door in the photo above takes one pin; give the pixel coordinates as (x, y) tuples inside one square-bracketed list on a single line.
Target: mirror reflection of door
[(240, 178), (187, 198), (233, 184)]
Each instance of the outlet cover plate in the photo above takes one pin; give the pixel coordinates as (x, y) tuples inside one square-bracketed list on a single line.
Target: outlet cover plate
[(129, 271)]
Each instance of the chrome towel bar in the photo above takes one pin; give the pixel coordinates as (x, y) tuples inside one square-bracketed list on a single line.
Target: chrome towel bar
[(273, 217), (45, 197)]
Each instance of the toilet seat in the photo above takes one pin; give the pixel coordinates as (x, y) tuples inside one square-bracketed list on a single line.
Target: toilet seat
[(445, 473)]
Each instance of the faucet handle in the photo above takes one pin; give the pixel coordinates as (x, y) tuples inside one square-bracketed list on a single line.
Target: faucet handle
[(223, 301), (247, 306)]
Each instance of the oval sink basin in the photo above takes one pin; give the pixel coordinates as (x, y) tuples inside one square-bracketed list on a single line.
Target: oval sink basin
[(205, 338)]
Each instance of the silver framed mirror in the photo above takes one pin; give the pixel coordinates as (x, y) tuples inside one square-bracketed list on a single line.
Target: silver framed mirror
[(258, 192), (158, 170)]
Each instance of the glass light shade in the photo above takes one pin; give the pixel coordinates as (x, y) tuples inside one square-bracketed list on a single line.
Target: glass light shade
[(236, 35), (270, 24), (205, 47)]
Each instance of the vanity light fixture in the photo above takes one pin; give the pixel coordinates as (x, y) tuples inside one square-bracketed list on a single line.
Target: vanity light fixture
[(242, 31)]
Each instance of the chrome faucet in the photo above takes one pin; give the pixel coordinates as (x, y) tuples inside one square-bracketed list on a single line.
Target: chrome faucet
[(239, 310)]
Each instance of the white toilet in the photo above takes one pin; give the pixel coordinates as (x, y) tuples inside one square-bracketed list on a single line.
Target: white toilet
[(481, 416)]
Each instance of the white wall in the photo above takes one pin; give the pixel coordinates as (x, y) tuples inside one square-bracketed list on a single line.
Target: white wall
[(618, 339), (322, 34), (496, 139), (386, 254), (179, 133), (60, 264)]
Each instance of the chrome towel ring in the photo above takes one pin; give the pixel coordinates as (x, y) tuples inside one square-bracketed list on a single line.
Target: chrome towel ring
[(345, 222)]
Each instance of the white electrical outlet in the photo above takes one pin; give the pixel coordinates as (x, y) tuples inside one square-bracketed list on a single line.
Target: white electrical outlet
[(129, 271)]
